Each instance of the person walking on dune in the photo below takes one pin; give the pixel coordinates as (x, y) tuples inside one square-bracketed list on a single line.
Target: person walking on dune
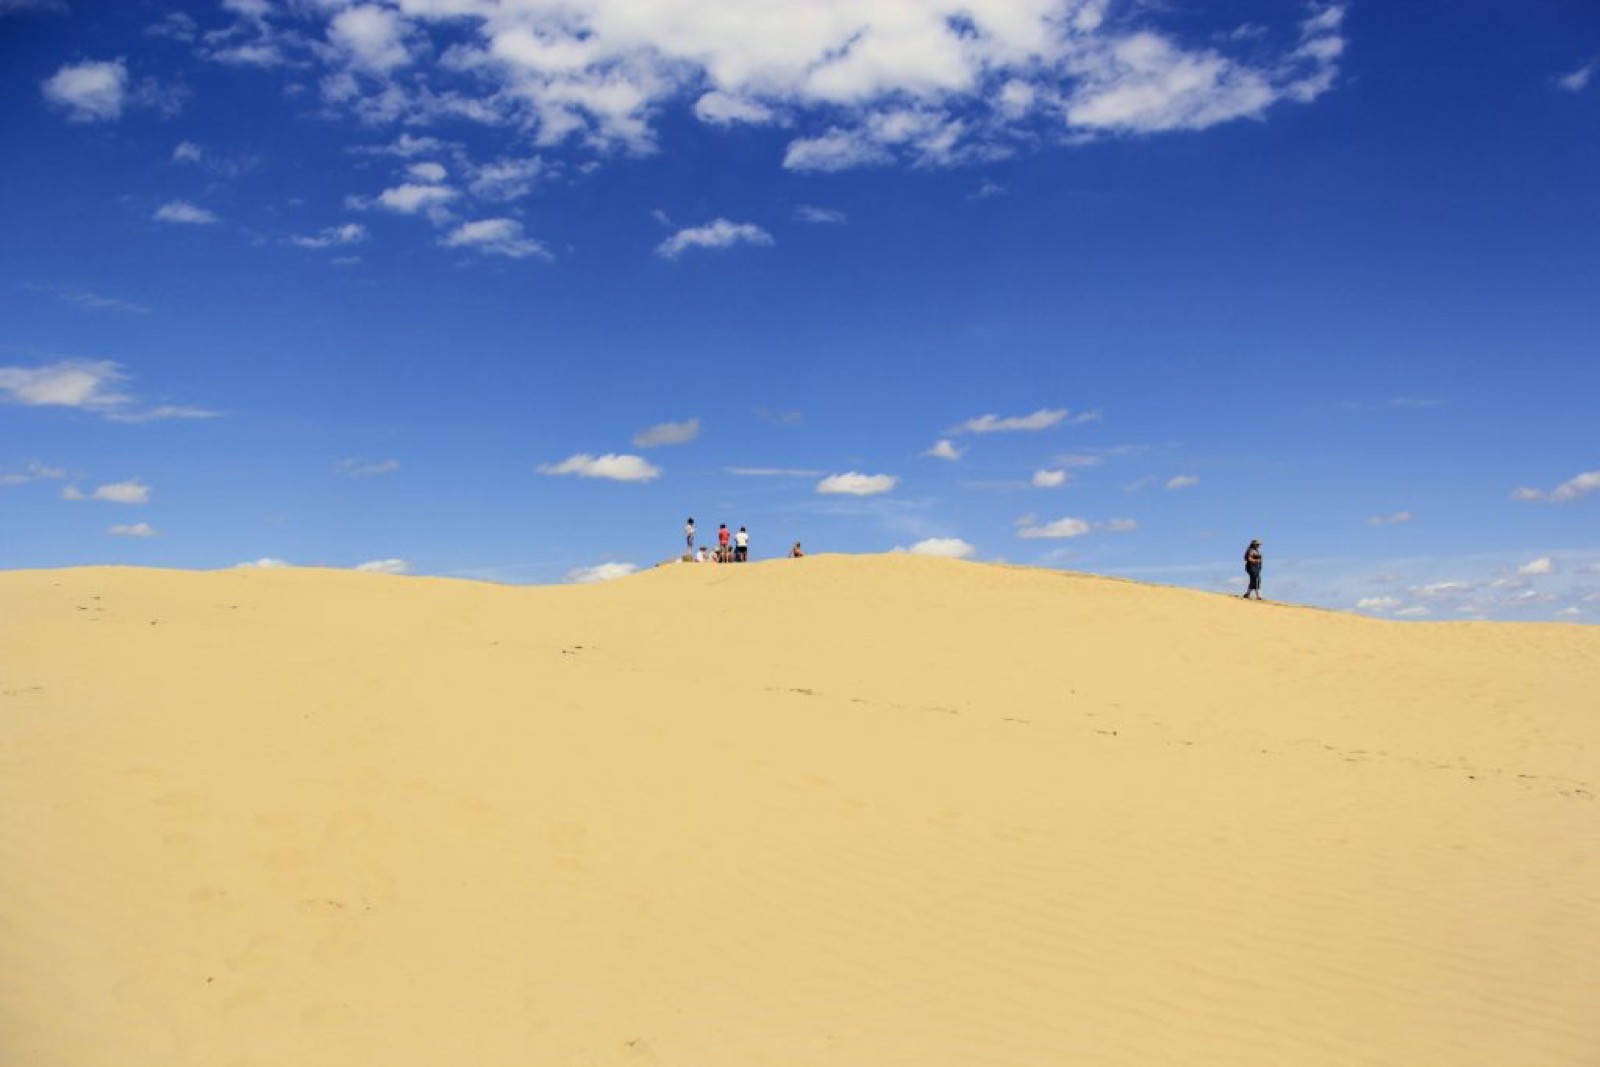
[(1252, 567)]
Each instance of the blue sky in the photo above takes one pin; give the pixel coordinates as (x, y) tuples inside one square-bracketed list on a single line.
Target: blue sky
[(507, 289)]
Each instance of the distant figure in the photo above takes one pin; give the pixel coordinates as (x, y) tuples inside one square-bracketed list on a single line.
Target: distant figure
[(723, 553), (702, 557), (688, 533), (741, 546), (795, 553), (1252, 567)]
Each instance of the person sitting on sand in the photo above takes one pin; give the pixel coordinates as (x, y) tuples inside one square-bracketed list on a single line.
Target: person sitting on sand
[(1252, 567), (795, 552)]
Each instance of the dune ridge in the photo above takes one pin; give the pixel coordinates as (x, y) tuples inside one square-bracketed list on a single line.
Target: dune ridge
[(851, 810)]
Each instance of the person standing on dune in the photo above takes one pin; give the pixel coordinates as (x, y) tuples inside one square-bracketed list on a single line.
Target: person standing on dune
[(688, 533), (1252, 567)]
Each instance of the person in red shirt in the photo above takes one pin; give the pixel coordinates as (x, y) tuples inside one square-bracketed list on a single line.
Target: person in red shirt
[(723, 555)]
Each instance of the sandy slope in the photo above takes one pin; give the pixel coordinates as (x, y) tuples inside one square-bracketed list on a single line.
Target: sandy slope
[(869, 811)]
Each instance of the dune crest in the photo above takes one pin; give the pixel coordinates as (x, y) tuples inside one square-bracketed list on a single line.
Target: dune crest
[(851, 810)]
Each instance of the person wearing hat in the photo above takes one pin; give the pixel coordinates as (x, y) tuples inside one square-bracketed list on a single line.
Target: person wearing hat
[(1252, 567)]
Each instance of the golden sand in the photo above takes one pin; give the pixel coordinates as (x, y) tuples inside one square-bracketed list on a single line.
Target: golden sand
[(859, 811)]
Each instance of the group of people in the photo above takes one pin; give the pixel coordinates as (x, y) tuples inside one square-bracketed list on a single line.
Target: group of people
[(730, 548)]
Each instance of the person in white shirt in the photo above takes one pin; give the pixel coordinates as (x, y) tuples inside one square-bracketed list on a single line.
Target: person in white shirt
[(741, 546)]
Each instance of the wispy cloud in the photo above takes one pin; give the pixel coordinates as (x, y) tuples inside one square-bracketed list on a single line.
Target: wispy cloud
[(1183, 481), (1049, 479), (719, 233), (385, 566), (95, 386), (944, 448), (855, 484), (617, 468), (33, 471), (1392, 519), (333, 236), (355, 467), (181, 211), (91, 301), (1578, 80), (668, 433), (1043, 419), (1029, 527), (136, 529), (811, 213), (1535, 568), (1571, 489)]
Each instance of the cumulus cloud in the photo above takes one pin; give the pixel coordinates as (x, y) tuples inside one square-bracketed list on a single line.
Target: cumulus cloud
[(1183, 481), (89, 92), (130, 492), (385, 566), (1030, 527), (1043, 419), (857, 82), (182, 211), (495, 237), (1581, 485), (432, 173), (1537, 567), (137, 529), (1048, 479), (946, 547), (1391, 519), (409, 199), (601, 572), (668, 433), (852, 483), (90, 385), (719, 233), (617, 468), (944, 448), (264, 563)]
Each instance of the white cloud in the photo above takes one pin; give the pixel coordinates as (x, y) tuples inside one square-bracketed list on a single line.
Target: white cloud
[(1578, 80), (812, 213), (137, 529), (89, 92), (431, 173), (385, 566), (91, 301), (130, 492), (90, 385), (668, 433), (855, 484), (506, 179), (1581, 485), (1444, 589), (1536, 567), (373, 37), (1117, 525), (495, 237), (1043, 419), (1415, 611), (1060, 528), (1379, 604), (365, 468), (1183, 481), (1046, 479), (185, 212), (944, 448), (726, 109), (618, 468), (601, 572), (187, 152), (719, 233), (409, 199), (835, 150), (34, 471), (264, 563), (946, 547), (1570, 612), (988, 191), (1391, 519), (333, 236)]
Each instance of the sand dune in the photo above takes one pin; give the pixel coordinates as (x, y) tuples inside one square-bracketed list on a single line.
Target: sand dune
[(871, 810)]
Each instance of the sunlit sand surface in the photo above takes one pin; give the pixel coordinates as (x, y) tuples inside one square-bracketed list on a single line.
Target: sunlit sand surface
[(842, 810)]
